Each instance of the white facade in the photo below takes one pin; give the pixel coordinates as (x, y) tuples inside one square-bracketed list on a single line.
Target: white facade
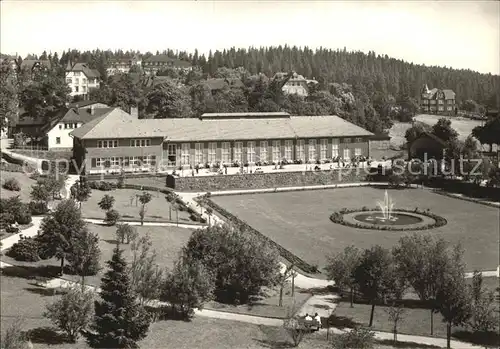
[(58, 136), (297, 84), (80, 83), (122, 66)]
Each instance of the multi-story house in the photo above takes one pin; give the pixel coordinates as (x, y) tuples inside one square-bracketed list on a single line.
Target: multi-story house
[(122, 65), (157, 63), (296, 84), (119, 141), (80, 78), (437, 101)]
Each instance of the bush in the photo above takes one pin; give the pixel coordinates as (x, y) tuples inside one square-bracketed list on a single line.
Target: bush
[(38, 208), (112, 216), (23, 216), (12, 184), (359, 338), (12, 230), (25, 250), (7, 218)]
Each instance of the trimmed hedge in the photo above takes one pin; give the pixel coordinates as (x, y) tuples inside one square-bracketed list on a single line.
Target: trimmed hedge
[(338, 217), (289, 256), (38, 208), (25, 250)]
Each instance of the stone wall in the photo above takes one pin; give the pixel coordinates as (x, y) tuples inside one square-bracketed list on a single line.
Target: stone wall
[(267, 180)]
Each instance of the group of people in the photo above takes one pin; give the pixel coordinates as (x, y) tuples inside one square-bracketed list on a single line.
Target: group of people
[(313, 321)]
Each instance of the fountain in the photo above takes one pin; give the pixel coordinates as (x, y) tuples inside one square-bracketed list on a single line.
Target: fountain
[(386, 207)]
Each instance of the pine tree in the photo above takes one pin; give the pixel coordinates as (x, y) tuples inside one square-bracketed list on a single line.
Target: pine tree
[(119, 321)]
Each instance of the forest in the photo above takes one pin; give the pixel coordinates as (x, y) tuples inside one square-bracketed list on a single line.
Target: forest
[(368, 89)]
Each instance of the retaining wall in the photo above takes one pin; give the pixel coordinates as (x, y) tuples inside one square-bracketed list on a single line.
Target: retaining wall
[(267, 180)]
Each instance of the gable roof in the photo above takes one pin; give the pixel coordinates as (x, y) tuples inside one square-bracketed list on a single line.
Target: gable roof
[(83, 104), (31, 63), (83, 67), (73, 115), (119, 124), (431, 136), (432, 94), (449, 94), (166, 59)]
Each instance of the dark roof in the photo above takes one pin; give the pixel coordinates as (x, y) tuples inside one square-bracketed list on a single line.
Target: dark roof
[(219, 84), (250, 115), (166, 59), (119, 124), (84, 67), (32, 63), (75, 115), (448, 94), (380, 137), (83, 104), (25, 120), (431, 136)]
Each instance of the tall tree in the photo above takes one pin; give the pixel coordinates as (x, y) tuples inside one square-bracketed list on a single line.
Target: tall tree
[(119, 321), (168, 101), (341, 268), (8, 95)]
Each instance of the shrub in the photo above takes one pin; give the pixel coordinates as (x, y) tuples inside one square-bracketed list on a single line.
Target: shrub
[(7, 218), (25, 250), (23, 216), (12, 184), (12, 230), (359, 338), (38, 208), (112, 216)]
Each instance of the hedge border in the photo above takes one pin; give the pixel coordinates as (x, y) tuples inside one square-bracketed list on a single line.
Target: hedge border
[(338, 218), (464, 198), (289, 256)]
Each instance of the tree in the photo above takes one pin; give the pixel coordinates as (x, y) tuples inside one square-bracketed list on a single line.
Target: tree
[(416, 131), (489, 133), (470, 148), (112, 216), (8, 95), (395, 313), (341, 267), (358, 337), (58, 229), (106, 203), (483, 317), (422, 260), (14, 337), (209, 213), (40, 193), (283, 279), (125, 233), (45, 95), (144, 198), (72, 313), (119, 321), (167, 101), (453, 298), (84, 257), (240, 262), (443, 130), (80, 191), (187, 286), (146, 277), (374, 275), (295, 329)]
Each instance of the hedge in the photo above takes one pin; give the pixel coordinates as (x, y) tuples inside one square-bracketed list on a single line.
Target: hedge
[(289, 256)]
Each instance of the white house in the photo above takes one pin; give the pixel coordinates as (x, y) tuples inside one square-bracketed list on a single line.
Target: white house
[(297, 84), (58, 130), (80, 78)]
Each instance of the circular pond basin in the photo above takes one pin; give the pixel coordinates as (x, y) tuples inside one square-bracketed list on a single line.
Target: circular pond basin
[(395, 219)]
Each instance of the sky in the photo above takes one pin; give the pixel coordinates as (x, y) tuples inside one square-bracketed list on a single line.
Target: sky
[(459, 34)]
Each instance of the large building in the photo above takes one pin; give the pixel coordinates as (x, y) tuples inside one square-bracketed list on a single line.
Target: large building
[(296, 83), (122, 65), (437, 101), (157, 63), (80, 78), (119, 141)]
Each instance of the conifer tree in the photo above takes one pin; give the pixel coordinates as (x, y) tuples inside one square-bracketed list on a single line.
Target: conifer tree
[(119, 320)]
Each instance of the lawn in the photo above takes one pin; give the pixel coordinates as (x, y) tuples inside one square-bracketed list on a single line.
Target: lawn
[(397, 133), (463, 126), (299, 221), (125, 203), (24, 181), (167, 241)]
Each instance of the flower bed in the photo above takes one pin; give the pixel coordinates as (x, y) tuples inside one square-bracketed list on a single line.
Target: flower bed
[(339, 217), (232, 219)]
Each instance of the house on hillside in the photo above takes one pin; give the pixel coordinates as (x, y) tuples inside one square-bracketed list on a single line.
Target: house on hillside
[(157, 63), (297, 84), (118, 141), (33, 64), (56, 133), (122, 65), (216, 85), (438, 101), (80, 78), (427, 146)]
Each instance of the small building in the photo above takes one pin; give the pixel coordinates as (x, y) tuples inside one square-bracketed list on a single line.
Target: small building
[(216, 85), (297, 84), (122, 65), (427, 146), (157, 63), (119, 141), (80, 78), (438, 101), (380, 141)]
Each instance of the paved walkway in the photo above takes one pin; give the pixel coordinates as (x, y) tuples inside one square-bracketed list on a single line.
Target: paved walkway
[(150, 224)]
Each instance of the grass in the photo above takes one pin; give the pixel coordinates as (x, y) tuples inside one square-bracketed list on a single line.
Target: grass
[(267, 304), (463, 126), (125, 203), (167, 241), (45, 154), (24, 181), (299, 221), (397, 133)]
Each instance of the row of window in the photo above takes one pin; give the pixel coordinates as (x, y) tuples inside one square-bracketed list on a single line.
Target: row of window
[(275, 155), (440, 101), (77, 89), (140, 142), (126, 161), (68, 126), (440, 108)]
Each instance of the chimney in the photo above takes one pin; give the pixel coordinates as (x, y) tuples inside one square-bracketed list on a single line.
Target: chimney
[(134, 111)]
